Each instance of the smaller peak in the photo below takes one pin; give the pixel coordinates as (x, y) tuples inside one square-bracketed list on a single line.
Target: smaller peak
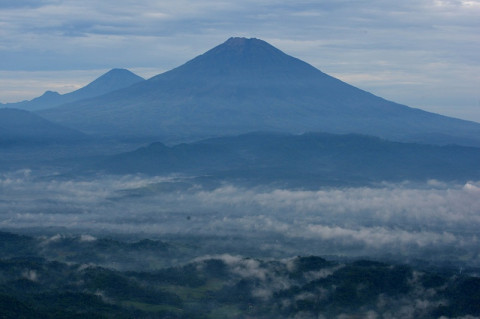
[(118, 71), (50, 93)]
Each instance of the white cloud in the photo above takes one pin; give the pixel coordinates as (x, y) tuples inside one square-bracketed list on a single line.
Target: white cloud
[(30, 275), (404, 220)]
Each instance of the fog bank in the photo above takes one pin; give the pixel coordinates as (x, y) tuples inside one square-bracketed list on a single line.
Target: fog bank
[(433, 220)]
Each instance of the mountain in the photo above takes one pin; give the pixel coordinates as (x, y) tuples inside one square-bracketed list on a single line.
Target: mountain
[(18, 127), (246, 85), (112, 80), (307, 159)]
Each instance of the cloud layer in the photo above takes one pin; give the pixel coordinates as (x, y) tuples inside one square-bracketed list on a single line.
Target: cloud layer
[(412, 221), (422, 53)]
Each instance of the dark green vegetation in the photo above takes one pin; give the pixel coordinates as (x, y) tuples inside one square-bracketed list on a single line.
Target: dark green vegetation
[(221, 286), (303, 160)]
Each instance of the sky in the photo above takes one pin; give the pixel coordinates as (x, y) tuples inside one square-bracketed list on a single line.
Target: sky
[(422, 53)]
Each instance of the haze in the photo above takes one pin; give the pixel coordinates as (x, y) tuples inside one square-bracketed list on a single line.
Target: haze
[(418, 53), (215, 159)]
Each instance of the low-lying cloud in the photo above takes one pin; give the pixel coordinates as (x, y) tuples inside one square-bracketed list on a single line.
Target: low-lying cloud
[(405, 220)]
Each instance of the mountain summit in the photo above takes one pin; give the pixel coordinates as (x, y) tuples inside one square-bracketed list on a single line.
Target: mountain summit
[(243, 55), (245, 85), (245, 60), (112, 80)]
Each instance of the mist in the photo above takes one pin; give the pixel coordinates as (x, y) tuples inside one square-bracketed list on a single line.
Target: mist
[(402, 221)]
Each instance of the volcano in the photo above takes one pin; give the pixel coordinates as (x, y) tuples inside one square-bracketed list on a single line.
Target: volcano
[(246, 85), (112, 80)]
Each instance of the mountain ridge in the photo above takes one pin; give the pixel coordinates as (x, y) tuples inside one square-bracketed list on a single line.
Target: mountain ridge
[(110, 81), (248, 85), (307, 159), (18, 127)]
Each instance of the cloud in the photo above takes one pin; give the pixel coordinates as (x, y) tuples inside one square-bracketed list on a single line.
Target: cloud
[(432, 220), (268, 276), (30, 275), (243, 267), (9, 4), (279, 282)]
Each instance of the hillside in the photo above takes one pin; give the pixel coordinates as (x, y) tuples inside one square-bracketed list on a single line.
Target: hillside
[(246, 85), (313, 158), (112, 80), (18, 127)]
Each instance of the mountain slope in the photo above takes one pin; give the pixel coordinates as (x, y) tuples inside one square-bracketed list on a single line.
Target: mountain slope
[(313, 158), (112, 80), (248, 85), (19, 127)]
